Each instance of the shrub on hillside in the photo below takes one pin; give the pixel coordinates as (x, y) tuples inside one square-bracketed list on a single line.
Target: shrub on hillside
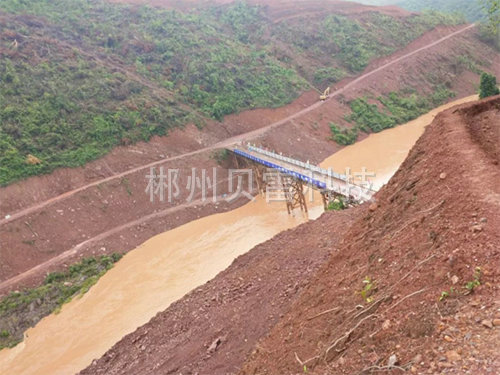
[(488, 86)]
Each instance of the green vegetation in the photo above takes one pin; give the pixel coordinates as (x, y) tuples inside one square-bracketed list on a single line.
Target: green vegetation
[(486, 12), (77, 84), (70, 113), (74, 87), (467, 289), (490, 27), (126, 183), (220, 156), (476, 281), (492, 10), (445, 294), (398, 108), (369, 288), (21, 310), (488, 86), (337, 205), (344, 136), (368, 116), (351, 43), (466, 62), (327, 76), (471, 9)]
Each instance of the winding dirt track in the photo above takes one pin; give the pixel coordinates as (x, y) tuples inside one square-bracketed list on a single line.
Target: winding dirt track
[(42, 267), (232, 140), (226, 143)]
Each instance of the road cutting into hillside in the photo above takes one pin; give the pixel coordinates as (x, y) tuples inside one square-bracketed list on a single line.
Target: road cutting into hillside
[(230, 141), (391, 146)]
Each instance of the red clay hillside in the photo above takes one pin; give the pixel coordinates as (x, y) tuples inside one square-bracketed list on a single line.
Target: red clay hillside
[(409, 284)]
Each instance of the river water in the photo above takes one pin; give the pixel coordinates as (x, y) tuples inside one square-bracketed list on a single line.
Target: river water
[(166, 267)]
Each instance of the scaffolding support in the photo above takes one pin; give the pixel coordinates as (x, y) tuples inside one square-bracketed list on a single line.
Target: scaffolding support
[(294, 194)]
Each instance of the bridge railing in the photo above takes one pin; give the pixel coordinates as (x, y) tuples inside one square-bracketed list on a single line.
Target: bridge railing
[(300, 176), (314, 168), (323, 181)]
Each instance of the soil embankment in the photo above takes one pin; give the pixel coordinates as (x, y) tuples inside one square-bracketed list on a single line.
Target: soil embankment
[(433, 234), (428, 249)]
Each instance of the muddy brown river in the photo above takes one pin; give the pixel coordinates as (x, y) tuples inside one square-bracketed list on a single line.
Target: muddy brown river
[(166, 267)]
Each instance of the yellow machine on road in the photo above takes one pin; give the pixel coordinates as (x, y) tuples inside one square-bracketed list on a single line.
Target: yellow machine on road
[(325, 95)]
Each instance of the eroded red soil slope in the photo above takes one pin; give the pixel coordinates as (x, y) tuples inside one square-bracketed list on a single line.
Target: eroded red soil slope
[(212, 329), (433, 225)]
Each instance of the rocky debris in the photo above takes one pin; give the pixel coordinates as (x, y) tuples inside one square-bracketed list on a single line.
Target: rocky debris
[(453, 356), (429, 247), (448, 338), (392, 361), (477, 228), (215, 345), (386, 325), (487, 323), (417, 359)]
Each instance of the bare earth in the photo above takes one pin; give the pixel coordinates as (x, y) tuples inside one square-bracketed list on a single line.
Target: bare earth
[(293, 304)]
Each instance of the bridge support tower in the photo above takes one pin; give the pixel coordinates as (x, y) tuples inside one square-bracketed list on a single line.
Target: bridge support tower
[(294, 194)]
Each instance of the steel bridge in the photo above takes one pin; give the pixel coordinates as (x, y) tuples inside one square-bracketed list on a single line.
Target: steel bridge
[(292, 175)]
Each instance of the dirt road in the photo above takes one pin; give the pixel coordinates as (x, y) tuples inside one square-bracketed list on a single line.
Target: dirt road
[(232, 140), (66, 256), (43, 267)]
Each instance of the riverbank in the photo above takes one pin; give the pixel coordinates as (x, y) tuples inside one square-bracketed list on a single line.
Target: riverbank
[(168, 266), (434, 227)]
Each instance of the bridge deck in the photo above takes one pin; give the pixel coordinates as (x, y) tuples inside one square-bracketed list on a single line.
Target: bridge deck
[(319, 178)]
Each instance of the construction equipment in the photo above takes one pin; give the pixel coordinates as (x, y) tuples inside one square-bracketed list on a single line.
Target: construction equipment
[(326, 94)]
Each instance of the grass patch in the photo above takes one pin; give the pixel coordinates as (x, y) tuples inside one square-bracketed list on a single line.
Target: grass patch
[(220, 156), (126, 183), (336, 205), (394, 109), (22, 310), (343, 136)]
